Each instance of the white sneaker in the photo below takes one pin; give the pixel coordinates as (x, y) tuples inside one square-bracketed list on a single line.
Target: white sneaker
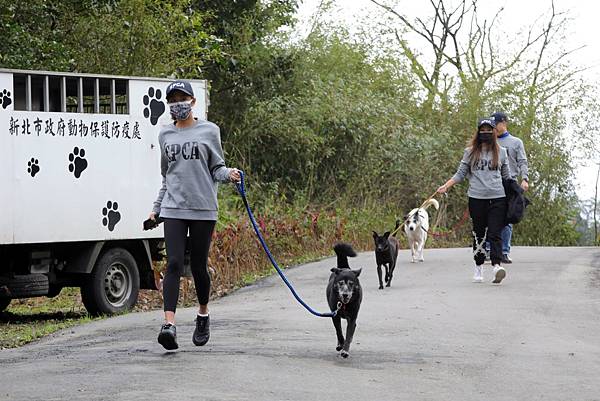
[(478, 275), (499, 274)]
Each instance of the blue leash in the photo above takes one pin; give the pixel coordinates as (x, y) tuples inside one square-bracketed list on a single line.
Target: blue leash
[(241, 187)]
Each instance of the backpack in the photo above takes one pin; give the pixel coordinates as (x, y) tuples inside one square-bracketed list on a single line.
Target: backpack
[(516, 201)]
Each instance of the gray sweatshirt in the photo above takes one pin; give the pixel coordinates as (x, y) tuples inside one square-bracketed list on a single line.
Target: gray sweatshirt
[(191, 163), (517, 159), (484, 183)]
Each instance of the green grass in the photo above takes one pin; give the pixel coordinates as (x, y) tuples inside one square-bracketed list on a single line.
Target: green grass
[(27, 320)]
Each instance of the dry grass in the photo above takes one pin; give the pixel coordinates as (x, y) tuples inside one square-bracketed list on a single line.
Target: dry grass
[(237, 258)]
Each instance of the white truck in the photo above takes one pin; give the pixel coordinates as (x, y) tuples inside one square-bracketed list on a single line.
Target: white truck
[(79, 170)]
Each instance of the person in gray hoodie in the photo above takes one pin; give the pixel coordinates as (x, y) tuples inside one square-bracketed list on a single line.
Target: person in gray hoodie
[(517, 160), (485, 164), (191, 165)]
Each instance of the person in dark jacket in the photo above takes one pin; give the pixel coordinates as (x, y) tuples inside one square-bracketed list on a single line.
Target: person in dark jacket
[(519, 167), (516, 201)]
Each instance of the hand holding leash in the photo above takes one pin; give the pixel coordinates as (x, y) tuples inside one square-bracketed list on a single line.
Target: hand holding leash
[(235, 175), (446, 187)]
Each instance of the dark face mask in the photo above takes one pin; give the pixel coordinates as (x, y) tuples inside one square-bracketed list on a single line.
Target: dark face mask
[(485, 137)]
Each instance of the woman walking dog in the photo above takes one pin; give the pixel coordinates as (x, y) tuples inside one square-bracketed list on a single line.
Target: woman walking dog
[(191, 164), (485, 164)]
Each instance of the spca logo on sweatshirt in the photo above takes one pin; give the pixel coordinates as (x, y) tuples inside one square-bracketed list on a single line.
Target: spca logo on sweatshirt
[(187, 150), (484, 164)]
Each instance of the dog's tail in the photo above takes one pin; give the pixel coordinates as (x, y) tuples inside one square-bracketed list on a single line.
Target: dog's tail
[(431, 202), (343, 250), (396, 228)]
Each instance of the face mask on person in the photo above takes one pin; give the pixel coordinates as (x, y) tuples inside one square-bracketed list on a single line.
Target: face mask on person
[(181, 110), (485, 137)]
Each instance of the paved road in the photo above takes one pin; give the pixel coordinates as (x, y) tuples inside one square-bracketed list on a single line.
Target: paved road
[(433, 335)]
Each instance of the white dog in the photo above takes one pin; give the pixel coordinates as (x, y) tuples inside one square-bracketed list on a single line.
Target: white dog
[(416, 226)]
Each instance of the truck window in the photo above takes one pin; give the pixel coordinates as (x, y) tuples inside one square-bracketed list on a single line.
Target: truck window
[(105, 95), (37, 92), (54, 94), (121, 96), (20, 91), (89, 100), (71, 94)]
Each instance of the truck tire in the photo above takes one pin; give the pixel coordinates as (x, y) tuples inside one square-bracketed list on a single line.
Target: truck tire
[(23, 286), (4, 302), (113, 285)]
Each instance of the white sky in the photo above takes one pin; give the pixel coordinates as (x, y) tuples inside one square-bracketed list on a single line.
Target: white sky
[(583, 30)]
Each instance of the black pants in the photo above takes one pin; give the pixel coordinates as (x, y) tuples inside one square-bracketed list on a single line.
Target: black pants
[(490, 213), (176, 232)]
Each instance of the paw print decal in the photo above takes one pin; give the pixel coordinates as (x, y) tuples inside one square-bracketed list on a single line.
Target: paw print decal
[(111, 215), (5, 99), (77, 161), (154, 106), (33, 166)]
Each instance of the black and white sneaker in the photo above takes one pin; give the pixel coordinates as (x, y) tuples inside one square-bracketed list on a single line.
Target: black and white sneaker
[(202, 331), (168, 336)]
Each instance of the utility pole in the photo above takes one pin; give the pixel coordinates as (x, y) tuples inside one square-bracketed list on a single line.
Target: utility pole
[(596, 207)]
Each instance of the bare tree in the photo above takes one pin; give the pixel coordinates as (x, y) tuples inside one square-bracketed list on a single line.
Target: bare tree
[(475, 56), (440, 33)]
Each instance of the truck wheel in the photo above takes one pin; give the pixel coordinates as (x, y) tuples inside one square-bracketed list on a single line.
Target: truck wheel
[(4, 302), (113, 285), (24, 286)]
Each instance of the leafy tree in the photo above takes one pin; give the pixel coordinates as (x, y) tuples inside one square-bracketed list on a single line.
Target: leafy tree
[(254, 65), (128, 37), (33, 35)]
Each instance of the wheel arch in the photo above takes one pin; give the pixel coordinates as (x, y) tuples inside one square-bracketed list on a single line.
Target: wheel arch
[(84, 260)]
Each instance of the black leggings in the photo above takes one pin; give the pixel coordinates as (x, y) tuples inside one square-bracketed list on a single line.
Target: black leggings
[(490, 213), (176, 231)]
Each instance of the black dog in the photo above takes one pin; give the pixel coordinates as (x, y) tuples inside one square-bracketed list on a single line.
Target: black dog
[(344, 288), (386, 253)]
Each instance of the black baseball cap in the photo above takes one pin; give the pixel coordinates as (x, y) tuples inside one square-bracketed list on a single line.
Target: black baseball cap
[(486, 121), (182, 86), (500, 117)]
